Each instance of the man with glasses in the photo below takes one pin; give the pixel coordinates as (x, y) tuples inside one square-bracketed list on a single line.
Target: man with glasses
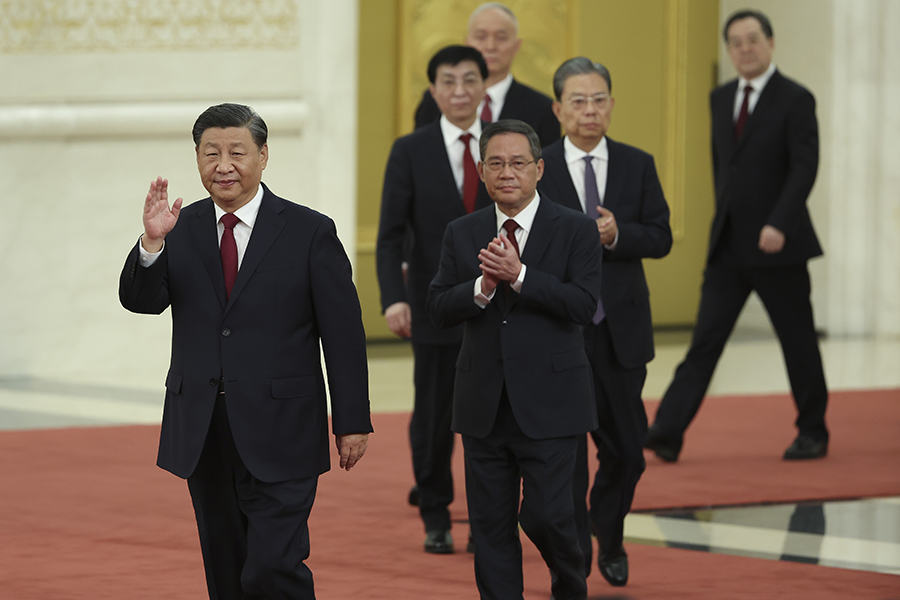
[(494, 31), (616, 185), (430, 180), (765, 146), (523, 276)]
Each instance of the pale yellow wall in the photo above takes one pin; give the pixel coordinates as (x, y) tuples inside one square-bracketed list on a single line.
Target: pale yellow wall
[(662, 57)]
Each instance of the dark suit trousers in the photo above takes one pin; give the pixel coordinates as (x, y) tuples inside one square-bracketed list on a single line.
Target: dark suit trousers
[(430, 435), (619, 441), (496, 465), (784, 292), (253, 535)]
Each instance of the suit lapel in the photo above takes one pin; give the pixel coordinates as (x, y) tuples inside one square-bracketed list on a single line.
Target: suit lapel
[(438, 149), (556, 169), (766, 97), (615, 177), (542, 230), (206, 237), (723, 117), (268, 226), (512, 96)]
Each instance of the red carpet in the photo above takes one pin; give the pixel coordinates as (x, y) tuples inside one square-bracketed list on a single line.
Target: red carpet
[(84, 513), (732, 454)]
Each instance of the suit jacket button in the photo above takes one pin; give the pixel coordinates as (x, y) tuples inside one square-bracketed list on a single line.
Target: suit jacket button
[(213, 381), (226, 332), (504, 323)]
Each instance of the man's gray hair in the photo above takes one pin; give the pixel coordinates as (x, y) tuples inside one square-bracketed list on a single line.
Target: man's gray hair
[(578, 66), (498, 6), (510, 126)]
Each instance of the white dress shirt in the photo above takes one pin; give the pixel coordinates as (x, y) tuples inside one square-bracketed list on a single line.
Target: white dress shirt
[(525, 221), (757, 83), (497, 92), (575, 161), (455, 147), (600, 161), (247, 215)]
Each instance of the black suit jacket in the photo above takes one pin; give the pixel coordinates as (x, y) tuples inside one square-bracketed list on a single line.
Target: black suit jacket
[(532, 342), (635, 197), (765, 178), (293, 289), (418, 200), (522, 102)]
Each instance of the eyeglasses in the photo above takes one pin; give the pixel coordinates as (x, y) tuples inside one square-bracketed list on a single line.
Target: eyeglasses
[(516, 165), (581, 102), (750, 41)]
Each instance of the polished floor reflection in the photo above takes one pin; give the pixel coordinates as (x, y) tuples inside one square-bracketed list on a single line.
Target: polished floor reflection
[(862, 534), (856, 534)]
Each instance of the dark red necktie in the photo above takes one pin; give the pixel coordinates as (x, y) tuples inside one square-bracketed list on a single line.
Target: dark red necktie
[(486, 115), (228, 248), (510, 226), (470, 175), (742, 116)]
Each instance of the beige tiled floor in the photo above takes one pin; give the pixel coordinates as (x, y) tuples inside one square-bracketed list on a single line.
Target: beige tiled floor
[(751, 364)]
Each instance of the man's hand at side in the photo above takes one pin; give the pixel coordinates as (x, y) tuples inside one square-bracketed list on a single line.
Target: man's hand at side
[(399, 319), (771, 240), (351, 447)]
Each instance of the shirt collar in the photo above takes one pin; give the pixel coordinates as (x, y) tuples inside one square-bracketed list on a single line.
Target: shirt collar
[(525, 218), (498, 91), (759, 82), (248, 212), (574, 154), (451, 132)]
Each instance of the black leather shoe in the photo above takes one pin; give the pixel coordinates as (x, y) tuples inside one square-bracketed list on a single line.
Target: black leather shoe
[(413, 498), (470, 545), (438, 542), (805, 447), (664, 448), (614, 569)]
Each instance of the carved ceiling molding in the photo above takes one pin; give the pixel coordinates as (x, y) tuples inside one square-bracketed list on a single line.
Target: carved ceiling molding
[(61, 26)]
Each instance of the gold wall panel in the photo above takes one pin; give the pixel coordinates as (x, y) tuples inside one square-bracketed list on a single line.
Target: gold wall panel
[(426, 26), (53, 26)]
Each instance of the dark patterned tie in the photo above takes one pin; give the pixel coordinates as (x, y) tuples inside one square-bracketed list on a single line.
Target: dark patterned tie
[(510, 226), (486, 115), (470, 175), (228, 248), (742, 116), (591, 202)]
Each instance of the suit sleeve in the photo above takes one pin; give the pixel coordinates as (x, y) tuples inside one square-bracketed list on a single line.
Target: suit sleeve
[(650, 236), (548, 128), (450, 296), (575, 297), (144, 289), (339, 321), (393, 225), (802, 138)]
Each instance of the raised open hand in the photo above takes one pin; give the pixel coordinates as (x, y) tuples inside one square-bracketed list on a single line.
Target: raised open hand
[(159, 219)]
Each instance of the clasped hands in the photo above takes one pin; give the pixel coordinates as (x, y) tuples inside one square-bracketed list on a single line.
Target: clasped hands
[(499, 262), (606, 225)]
